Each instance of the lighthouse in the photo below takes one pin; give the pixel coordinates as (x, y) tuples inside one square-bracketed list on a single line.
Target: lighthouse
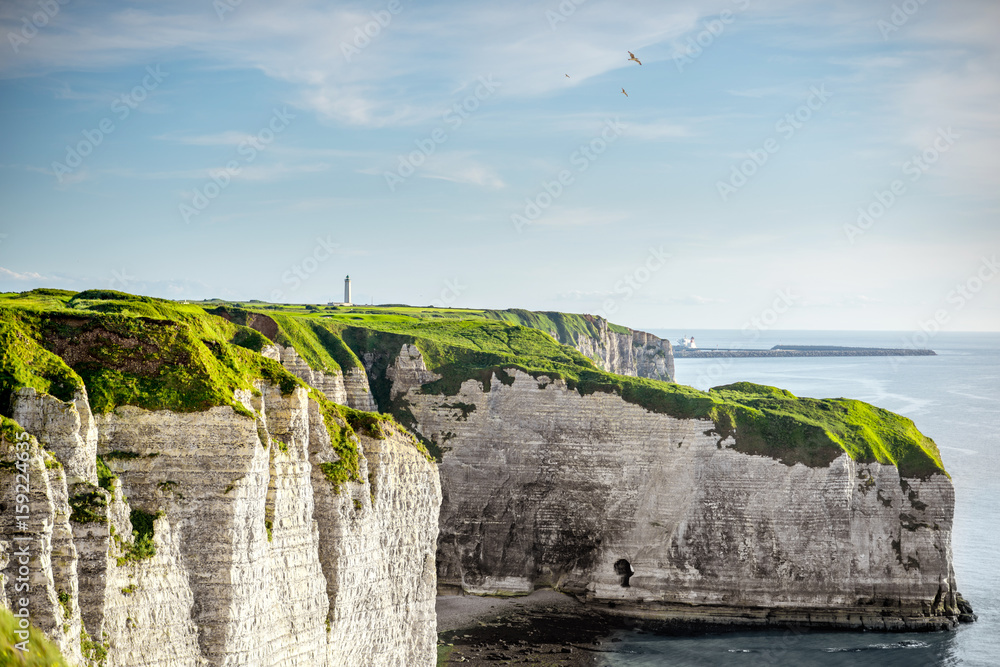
[(347, 291)]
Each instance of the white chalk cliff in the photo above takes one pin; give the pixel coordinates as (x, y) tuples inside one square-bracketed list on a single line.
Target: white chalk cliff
[(259, 559), (661, 518)]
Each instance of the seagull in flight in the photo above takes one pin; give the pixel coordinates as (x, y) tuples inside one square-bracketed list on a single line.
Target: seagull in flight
[(631, 56), (624, 93)]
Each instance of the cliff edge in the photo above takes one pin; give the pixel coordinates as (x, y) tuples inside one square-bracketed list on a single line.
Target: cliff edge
[(612, 347), (185, 500)]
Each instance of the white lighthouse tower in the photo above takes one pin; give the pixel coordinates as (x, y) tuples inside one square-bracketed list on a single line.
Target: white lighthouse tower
[(347, 291)]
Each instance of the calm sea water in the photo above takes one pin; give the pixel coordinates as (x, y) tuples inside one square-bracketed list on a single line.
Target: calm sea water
[(955, 399)]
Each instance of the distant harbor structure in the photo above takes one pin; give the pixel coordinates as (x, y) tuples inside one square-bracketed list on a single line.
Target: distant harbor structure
[(686, 349), (687, 343), (347, 294)]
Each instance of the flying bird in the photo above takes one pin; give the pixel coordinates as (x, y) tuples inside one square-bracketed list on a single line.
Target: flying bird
[(631, 56), (567, 76), (624, 93)]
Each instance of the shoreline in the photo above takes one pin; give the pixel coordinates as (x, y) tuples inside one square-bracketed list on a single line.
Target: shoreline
[(554, 629), (543, 628)]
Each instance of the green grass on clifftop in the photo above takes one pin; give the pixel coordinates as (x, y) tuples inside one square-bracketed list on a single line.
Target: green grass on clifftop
[(150, 353), (160, 354), (760, 420), (567, 328), (802, 429)]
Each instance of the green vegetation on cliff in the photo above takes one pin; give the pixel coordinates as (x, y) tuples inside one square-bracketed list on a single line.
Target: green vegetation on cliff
[(773, 422), (750, 418), (142, 546), (128, 350), (161, 354), (567, 327), (25, 363)]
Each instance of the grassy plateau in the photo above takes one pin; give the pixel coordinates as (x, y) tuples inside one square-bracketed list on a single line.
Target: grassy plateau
[(159, 354)]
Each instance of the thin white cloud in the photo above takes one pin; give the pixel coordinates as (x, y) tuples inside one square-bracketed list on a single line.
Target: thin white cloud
[(584, 295), (560, 216), (228, 138), (397, 77), (278, 171), (657, 131), (256, 172), (14, 275), (460, 167), (695, 300)]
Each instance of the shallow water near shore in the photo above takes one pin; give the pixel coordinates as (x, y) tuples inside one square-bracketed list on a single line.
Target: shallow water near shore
[(803, 648)]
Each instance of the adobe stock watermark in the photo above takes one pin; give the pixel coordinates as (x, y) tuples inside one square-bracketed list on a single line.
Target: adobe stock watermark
[(711, 31), (751, 330), (22, 553), (580, 159), (786, 127), (450, 293), (302, 270), (120, 278), (248, 149), (38, 20), (454, 117), (634, 281), (562, 12), (365, 33), (122, 107), (957, 299), (223, 7), (900, 16), (914, 168)]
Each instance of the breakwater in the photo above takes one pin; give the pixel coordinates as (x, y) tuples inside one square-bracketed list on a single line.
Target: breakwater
[(802, 351)]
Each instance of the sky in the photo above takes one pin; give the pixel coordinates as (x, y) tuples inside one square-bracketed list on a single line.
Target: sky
[(770, 163)]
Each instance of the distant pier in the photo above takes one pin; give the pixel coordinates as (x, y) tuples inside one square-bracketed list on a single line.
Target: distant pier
[(800, 351)]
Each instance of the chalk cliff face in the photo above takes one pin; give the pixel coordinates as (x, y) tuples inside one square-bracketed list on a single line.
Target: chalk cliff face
[(661, 516), (259, 558), (613, 348), (348, 387), (637, 354)]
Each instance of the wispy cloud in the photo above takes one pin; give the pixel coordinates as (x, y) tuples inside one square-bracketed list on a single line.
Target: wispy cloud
[(694, 300), (388, 82), (561, 216), (14, 275), (657, 131), (228, 138), (461, 167)]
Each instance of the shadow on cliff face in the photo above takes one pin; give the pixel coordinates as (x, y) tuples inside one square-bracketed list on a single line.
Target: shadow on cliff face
[(512, 540)]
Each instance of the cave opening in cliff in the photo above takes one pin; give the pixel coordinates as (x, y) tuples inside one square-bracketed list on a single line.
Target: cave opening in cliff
[(624, 571)]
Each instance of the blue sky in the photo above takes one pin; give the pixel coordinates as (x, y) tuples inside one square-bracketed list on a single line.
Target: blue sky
[(245, 150)]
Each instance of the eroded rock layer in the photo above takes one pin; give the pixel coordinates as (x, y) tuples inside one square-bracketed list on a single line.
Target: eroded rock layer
[(260, 559), (600, 497), (637, 353)]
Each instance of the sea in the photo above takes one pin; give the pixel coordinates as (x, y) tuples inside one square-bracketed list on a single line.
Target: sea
[(953, 397)]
